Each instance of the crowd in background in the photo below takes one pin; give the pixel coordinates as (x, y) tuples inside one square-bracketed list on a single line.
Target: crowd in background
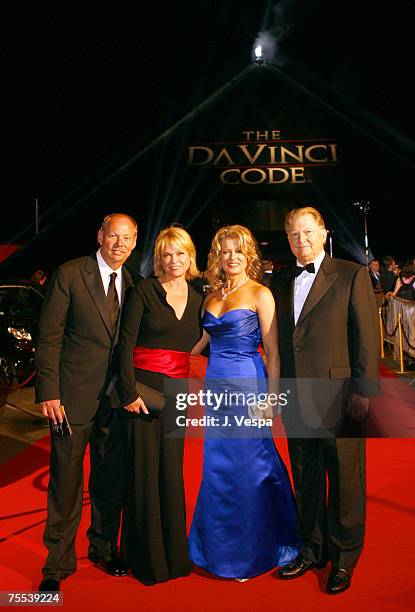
[(392, 279)]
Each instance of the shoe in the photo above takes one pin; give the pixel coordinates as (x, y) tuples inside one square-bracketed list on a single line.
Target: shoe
[(49, 584), (339, 580), (113, 567), (298, 567)]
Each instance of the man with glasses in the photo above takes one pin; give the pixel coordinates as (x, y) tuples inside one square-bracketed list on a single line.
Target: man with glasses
[(77, 335)]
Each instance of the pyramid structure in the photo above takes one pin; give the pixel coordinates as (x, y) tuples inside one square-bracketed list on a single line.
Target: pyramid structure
[(262, 144)]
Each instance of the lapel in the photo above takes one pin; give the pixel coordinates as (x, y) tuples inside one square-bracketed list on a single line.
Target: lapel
[(284, 295), (326, 276), (127, 282), (93, 281)]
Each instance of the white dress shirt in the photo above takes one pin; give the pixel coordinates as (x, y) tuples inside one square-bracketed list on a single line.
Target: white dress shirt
[(303, 284), (106, 272)]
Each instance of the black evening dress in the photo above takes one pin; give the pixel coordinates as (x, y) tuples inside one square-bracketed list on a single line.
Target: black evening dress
[(153, 537)]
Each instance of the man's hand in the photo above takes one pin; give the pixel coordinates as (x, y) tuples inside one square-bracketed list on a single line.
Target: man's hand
[(52, 410), (137, 406), (358, 407)]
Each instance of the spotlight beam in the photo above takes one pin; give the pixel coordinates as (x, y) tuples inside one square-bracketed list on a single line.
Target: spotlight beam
[(62, 203), (283, 75)]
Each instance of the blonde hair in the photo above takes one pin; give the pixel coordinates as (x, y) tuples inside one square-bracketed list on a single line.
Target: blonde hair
[(242, 239), (299, 212), (179, 237)]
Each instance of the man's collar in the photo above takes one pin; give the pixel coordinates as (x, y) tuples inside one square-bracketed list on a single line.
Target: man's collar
[(102, 264), (317, 261)]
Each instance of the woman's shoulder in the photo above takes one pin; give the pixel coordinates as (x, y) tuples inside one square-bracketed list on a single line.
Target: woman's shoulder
[(259, 289), (197, 297), (148, 287), (261, 296), (148, 283)]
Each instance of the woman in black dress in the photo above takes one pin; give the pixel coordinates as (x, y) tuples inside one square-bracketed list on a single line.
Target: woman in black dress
[(159, 327)]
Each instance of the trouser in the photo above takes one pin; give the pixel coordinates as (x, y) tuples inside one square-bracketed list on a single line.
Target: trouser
[(331, 526), (65, 492)]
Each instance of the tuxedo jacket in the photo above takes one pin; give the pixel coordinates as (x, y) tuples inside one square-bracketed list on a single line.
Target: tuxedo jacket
[(333, 349), (75, 342)]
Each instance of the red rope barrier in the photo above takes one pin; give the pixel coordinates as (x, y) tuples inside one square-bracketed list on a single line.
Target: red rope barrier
[(11, 388)]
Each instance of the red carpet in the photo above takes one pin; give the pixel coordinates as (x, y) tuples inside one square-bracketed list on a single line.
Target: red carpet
[(384, 579), (392, 415)]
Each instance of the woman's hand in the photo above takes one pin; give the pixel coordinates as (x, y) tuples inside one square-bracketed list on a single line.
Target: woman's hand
[(137, 406), (200, 344), (265, 410)]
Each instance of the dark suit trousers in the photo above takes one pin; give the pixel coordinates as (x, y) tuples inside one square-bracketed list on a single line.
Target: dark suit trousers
[(65, 492), (330, 526)]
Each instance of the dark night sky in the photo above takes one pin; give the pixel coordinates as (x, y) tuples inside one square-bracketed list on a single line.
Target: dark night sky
[(88, 83)]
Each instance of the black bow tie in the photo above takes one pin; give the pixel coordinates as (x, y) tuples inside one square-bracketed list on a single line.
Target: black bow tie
[(309, 268)]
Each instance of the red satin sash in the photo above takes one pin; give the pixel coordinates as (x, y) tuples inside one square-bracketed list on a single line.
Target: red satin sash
[(174, 364)]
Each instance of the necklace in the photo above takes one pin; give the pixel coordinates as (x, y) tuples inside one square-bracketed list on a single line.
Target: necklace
[(238, 286)]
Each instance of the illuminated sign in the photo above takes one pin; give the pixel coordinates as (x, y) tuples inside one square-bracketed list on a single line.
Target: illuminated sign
[(263, 157)]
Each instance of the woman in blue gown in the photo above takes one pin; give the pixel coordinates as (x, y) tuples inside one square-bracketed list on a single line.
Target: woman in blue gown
[(244, 522)]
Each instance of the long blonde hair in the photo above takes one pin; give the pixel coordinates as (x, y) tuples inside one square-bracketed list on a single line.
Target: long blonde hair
[(179, 237), (243, 239)]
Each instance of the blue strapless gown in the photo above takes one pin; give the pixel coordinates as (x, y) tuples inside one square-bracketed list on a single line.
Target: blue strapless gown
[(244, 522)]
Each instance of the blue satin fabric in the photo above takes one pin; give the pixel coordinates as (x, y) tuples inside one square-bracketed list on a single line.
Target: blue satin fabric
[(244, 522)]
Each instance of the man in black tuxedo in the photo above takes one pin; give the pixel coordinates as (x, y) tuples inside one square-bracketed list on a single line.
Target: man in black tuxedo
[(328, 340), (77, 334)]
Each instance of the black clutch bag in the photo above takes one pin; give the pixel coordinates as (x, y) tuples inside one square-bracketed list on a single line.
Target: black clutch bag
[(60, 430), (153, 399)]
